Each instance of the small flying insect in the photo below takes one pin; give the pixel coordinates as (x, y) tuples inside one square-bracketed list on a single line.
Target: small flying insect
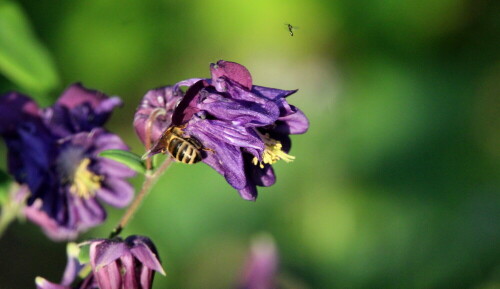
[(183, 149), (291, 28)]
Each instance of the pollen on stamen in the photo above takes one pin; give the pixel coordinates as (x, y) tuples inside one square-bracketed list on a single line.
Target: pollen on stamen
[(85, 183), (272, 153)]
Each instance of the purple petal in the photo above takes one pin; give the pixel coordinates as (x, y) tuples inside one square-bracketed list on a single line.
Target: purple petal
[(189, 104), (103, 140), (130, 268), (87, 108), (187, 82), (109, 276), (146, 277), (105, 252), (147, 257), (248, 192), (116, 192), (224, 132), (107, 105), (272, 93), (16, 108), (31, 154), (86, 212), (51, 228), (231, 70), (161, 102), (228, 158), (73, 267), (264, 177), (76, 95), (241, 112), (113, 168), (41, 283), (295, 123)]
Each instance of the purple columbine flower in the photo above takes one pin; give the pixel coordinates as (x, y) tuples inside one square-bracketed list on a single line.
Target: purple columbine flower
[(243, 128), (124, 264), (54, 152)]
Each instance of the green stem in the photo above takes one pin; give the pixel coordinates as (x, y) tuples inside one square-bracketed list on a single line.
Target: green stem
[(150, 179)]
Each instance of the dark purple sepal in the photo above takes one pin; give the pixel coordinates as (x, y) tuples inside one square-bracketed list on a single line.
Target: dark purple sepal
[(188, 106)]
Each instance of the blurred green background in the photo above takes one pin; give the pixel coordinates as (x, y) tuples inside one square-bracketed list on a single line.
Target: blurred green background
[(396, 184)]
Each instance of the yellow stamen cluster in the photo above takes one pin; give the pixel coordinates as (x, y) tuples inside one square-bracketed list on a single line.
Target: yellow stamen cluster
[(272, 152), (85, 183)]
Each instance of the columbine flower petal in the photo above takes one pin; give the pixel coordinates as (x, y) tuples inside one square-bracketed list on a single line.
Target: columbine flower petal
[(145, 251), (157, 103), (16, 108), (231, 70), (80, 109)]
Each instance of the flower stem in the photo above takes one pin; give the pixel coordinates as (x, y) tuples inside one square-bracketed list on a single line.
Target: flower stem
[(149, 181), (150, 176)]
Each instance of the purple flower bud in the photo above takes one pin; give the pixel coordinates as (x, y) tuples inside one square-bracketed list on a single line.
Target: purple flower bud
[(54, 152), (261, 265), (243, 128), (124, 264)]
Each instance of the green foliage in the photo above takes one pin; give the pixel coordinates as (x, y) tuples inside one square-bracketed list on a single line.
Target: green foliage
[(23, 59), (127, 158), (5, 182)]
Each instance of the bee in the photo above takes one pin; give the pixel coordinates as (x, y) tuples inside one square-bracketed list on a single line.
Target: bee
[(183, 149)]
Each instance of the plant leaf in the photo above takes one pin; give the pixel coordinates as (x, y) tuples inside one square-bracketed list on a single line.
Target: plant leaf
[(127, 158), (23, 59)]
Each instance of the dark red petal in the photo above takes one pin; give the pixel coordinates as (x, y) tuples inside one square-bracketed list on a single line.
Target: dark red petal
[(231, 70)]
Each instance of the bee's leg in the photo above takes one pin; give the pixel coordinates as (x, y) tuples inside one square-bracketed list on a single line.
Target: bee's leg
[(208, 150)]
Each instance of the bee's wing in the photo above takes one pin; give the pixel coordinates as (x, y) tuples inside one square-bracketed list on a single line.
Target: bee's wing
[(160, 146)]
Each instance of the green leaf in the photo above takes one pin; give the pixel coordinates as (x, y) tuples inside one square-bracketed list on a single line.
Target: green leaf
[(127, 158), (23, 59)]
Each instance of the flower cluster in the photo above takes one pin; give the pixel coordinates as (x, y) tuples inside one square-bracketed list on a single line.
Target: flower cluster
[(115, 264), (237, 128), (243, 128), (53, 153)]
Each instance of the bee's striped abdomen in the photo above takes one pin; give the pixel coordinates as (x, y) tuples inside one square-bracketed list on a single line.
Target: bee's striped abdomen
[(183, 149)]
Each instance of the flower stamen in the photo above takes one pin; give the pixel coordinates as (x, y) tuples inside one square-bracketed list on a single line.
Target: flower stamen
[(85, 182), (272, 152)]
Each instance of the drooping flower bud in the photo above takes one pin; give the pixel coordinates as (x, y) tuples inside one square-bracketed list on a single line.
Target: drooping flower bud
[(127, 264)]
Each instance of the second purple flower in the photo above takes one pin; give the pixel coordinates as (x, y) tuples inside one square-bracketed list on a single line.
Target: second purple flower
[(53, 153)]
